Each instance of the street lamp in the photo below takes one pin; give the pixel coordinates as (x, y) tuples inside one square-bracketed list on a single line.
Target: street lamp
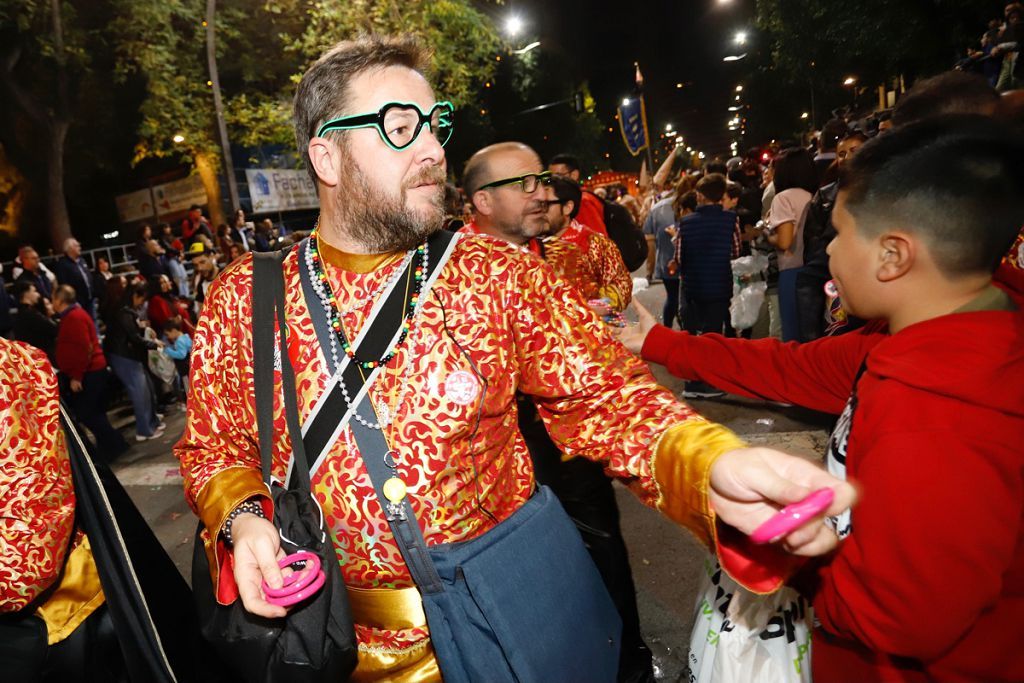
[(179, 138), (734, 58), (668, 127), (804, 116), (850, 80), (740, 38), (513, 25), (739, 88)]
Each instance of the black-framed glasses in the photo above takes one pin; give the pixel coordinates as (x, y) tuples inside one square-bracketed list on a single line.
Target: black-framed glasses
[(400, 123), (527, 182)]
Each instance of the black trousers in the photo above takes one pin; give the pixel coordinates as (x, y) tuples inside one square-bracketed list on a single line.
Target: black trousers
[(586, 493), (706, 316), (90, 407)]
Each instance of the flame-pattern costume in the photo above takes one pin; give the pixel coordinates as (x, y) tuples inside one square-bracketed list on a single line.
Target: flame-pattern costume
[(496, 321), (597, 269), (41, 549)]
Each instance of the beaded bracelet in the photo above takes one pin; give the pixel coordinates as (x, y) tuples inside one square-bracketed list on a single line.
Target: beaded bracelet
[(251, 506)]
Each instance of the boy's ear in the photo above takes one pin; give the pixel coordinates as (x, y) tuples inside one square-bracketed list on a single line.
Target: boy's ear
[(898, 251)]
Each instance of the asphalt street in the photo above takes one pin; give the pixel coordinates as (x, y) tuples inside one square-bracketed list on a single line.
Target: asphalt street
[(667, 561)]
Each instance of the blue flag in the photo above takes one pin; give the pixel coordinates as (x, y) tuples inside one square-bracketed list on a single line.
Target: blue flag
[(633, 123)]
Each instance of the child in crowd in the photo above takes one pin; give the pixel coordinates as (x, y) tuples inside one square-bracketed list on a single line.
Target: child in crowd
[(178, 348), (928, 581)]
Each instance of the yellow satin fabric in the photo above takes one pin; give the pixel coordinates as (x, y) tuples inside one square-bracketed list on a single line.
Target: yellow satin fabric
[(682, 470), (415, 665), (392, 610), (78, 595), (354, 263), (386, 608)]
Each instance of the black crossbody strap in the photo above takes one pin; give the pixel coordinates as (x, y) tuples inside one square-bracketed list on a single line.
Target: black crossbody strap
[(331, 413), (268, 309), (408, 535)]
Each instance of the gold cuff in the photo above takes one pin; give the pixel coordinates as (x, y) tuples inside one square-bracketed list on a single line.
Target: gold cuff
[(681, 468), (391, 609), (78, 595)]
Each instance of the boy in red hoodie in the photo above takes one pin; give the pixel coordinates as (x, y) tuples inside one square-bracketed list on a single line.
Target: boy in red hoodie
[(928, 581)]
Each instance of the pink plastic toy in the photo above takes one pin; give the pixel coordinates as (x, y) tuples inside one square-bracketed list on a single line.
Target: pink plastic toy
[(793, 516), (298, 585)]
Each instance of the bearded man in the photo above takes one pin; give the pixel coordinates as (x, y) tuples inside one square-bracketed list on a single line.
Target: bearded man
[(484, 321)]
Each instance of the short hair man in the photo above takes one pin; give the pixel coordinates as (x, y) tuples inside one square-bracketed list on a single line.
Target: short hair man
[(591, 213), (79, 357), (489, 323), (72, 270), (32, 322), (32, 270)]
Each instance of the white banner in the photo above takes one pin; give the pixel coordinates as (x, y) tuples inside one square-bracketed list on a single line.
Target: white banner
[(135, 206), (179, 195), (278, 189)]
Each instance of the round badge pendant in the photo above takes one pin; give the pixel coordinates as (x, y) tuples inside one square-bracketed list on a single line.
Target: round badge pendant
[(461, 387), (831, 290)]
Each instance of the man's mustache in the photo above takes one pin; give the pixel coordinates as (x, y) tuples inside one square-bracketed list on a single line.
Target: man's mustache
[(429, 175)]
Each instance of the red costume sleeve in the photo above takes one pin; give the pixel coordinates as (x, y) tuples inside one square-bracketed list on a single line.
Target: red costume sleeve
[(818, 375), (37, 497), (613, 279)]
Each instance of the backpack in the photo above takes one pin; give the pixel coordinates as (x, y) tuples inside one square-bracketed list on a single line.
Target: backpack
[(627, 236)]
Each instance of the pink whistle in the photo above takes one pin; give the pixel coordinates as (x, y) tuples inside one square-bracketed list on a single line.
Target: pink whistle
[(793, 516), (299, 585)]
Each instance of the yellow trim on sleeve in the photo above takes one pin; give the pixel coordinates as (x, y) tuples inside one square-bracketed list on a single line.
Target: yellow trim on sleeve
[(78, 595), (681, 468)]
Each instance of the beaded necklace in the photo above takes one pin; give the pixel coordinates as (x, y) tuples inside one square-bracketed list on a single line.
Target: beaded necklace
[(322, 288)]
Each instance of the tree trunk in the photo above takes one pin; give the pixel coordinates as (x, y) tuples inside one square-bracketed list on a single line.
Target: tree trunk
[(207, 169), (57, 222)]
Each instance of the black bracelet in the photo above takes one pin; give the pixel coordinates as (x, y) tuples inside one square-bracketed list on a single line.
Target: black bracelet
[(251, 506)]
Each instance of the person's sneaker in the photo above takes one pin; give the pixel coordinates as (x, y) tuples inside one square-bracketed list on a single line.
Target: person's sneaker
[(157, 433), (701, 390)]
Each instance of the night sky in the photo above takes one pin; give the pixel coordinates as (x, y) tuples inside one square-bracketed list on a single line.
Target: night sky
[(681, 41)]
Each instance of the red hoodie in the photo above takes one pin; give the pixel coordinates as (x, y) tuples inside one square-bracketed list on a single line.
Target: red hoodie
[(929, 584)]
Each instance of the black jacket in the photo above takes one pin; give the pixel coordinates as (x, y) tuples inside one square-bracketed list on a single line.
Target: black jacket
[(124, 337), (35, 329), (77, 275)]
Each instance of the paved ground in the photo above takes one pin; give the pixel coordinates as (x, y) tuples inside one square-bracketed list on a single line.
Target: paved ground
[(667, 562)]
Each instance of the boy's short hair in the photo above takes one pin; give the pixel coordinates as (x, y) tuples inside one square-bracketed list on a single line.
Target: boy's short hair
[(687, 200), (20, 288), (952, 92), (568, 191), (712, 186), (172, 324), (570, 161), (733, 190), (955, 180)]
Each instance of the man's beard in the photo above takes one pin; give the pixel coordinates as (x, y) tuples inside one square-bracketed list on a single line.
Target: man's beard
[(532, 222), (384, 223)]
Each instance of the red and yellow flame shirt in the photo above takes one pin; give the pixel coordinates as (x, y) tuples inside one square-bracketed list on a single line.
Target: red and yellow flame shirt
[(521, 329), (40, 548), (596, 268)]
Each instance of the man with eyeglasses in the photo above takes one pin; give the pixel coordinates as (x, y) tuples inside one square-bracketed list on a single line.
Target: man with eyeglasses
[(480, 320)]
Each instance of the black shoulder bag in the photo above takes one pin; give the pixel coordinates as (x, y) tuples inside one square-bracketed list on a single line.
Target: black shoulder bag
[(316, 641)]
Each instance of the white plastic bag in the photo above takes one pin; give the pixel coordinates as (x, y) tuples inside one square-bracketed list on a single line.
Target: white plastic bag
[(739, 636), (746, 303)]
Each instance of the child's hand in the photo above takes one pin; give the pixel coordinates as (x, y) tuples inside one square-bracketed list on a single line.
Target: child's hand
[(633, 336)]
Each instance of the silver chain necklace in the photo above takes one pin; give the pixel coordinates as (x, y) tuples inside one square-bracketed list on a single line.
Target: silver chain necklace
[(385, 414)]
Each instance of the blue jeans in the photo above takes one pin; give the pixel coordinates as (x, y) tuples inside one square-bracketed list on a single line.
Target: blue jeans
[(788, 310), (133, 377)]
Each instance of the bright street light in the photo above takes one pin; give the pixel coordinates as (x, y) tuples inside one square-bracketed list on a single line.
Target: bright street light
[(179, 138), (739, 88), (850, 80), (668, 127), (625, 102), (740, 38), (734, 58), (805, 115), (513, 25), (734, 108)]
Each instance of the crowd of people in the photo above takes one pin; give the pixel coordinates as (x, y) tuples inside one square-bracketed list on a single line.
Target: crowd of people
[(141, 316), (996, 56), (441, 375)]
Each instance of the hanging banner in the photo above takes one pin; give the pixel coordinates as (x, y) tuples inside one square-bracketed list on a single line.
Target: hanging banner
[(135, 206), (179, 195), (633, 124), (280, 189)]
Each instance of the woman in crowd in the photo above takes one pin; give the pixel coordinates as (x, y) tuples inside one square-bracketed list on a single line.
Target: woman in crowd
[(126, 350), (795, 181)]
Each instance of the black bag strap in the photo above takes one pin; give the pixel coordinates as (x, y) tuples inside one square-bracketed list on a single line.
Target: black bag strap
[(268, 309), (374, 449), (323, 428)]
